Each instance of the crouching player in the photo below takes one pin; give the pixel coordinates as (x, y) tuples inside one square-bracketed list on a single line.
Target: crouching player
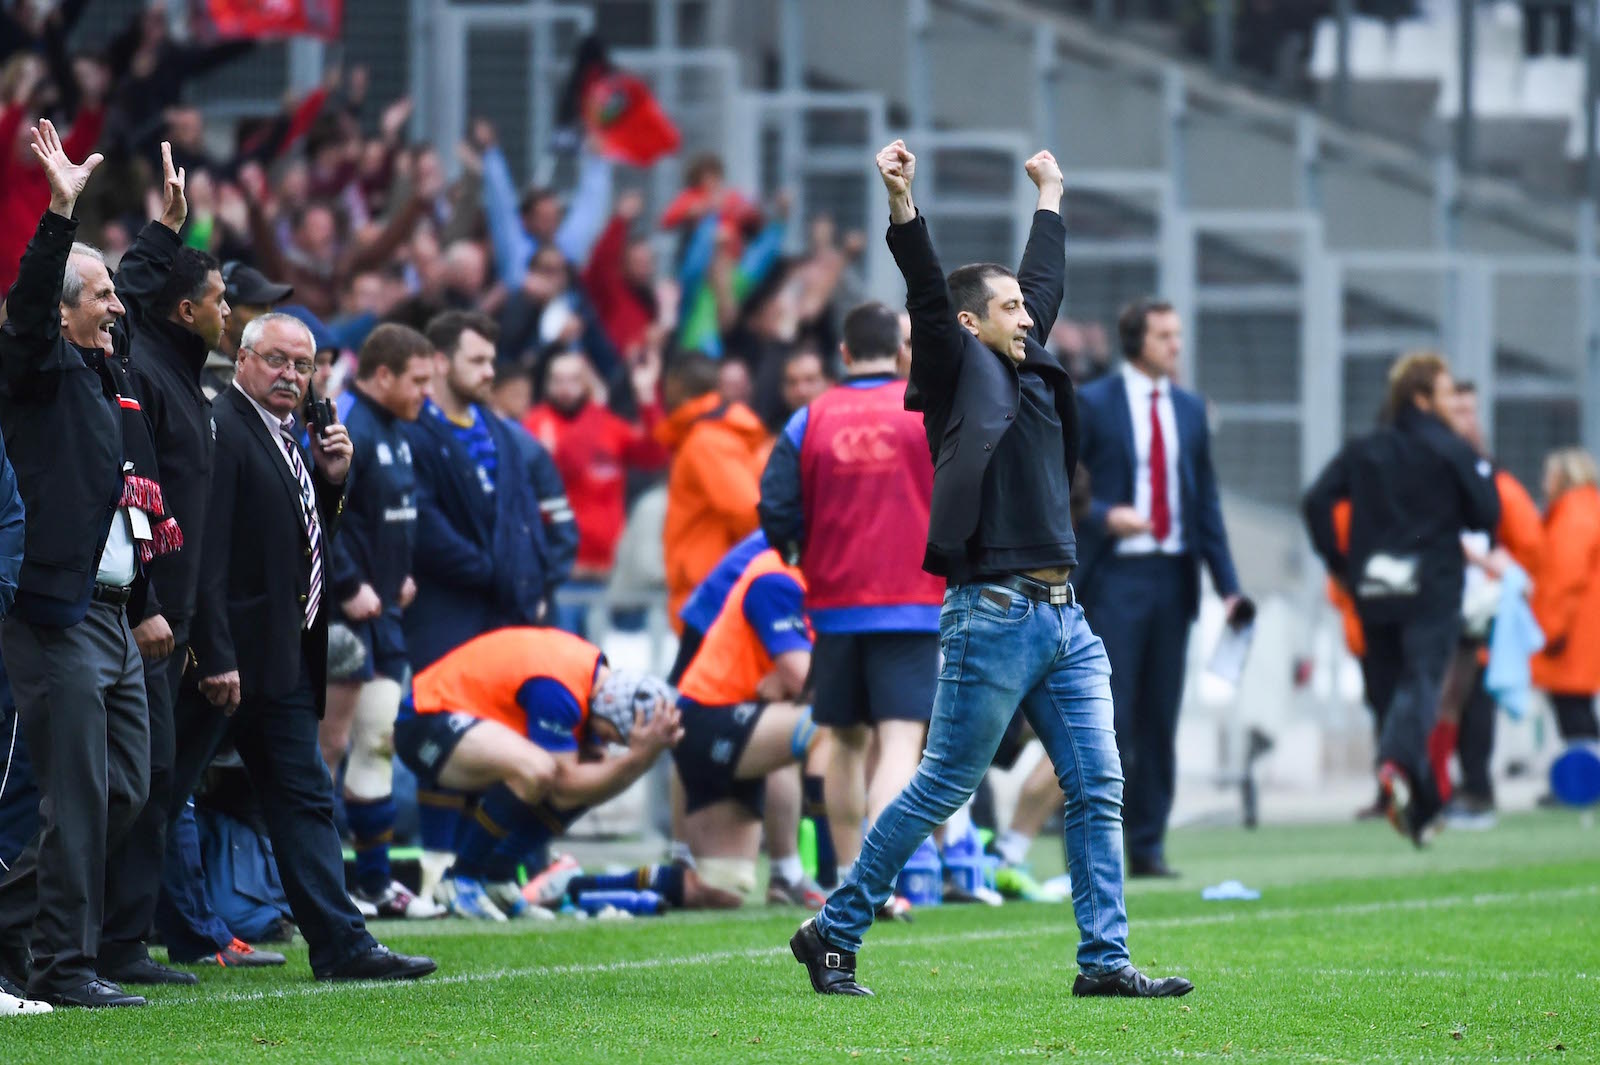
[(743, 722), (520, 720)]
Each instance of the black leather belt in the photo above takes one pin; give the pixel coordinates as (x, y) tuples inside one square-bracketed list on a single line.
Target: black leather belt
[(1040, 592), (111, 594)]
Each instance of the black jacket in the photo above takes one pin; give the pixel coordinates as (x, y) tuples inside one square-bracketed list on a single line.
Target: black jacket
[(967, 393), (1413, 487), (379, 531), (62, 420), (256, 566), (165, 367)]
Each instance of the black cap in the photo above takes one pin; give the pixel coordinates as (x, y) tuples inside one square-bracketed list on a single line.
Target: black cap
[(248, 287)]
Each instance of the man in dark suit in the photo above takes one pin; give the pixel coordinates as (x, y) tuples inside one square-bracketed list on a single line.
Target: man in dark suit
[(260, 636), (1154, 519), (1000, 420)]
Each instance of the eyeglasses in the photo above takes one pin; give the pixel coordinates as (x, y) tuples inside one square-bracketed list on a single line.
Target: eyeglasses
[(303, 367)]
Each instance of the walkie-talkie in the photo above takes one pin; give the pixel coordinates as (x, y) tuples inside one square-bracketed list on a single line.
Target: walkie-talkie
[(319, 412)]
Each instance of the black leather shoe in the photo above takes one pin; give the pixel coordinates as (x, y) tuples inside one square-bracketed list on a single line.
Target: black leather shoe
[(381, 963), (832, 971), (146, 971), (1128, 982), (1152, 867), (96, 994), (15, 962)]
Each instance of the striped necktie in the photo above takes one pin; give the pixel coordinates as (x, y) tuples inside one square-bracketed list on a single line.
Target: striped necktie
[(308, 514)]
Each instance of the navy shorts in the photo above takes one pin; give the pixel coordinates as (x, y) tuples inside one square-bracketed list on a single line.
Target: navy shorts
[(862, 678), (385, 643), (714, 738), (425, 742)]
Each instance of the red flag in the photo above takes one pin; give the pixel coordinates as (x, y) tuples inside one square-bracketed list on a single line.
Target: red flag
[(625, 119), (268, 19)]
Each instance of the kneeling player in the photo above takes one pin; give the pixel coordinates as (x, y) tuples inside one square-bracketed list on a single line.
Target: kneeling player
[(742, 723), (520, 718)]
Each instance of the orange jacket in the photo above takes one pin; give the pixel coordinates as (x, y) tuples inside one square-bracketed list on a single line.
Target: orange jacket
[(718, 452), (1566, 596), (1354, 638), (1521, 529)]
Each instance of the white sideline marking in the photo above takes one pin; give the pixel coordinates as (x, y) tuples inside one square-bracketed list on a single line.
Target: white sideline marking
[(1441, 902)]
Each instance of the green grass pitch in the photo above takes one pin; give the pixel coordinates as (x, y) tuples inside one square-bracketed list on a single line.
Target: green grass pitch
[(1484, 948)]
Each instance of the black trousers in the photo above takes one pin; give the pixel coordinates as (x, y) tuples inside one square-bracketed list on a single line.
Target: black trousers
[(135, 881), (1475, 744), (277, 741), (1575, 717), (1406, 663), (1141, 614), (80, 694)]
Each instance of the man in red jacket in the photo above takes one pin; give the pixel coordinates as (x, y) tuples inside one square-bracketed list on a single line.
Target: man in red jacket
[(593, 449), (621, 278)]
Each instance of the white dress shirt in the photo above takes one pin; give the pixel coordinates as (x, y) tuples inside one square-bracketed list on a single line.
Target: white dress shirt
[(116, 559), (1139, 387)]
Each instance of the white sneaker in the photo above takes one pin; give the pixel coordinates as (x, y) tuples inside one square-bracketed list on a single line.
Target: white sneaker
[(396, 900), (12, 1006)]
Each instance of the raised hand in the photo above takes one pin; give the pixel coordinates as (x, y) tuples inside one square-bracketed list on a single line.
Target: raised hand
[(898, 167), (1043, 170), (174, 204), (67, 179)]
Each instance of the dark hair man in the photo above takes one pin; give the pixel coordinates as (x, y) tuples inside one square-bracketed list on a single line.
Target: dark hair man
[(370, 576), (1001, 422), (1413, 486), (848, 474), (249, 295), (1155, 519), (173, 333)]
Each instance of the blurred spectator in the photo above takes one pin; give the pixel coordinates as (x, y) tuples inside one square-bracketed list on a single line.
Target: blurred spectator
[(1082, 348), (512, 398), (620, 278), (24, 191), (150, 70), (719, 449), (805, 377), (521, 226), (593, 449), (1566, 593), (547, 312)]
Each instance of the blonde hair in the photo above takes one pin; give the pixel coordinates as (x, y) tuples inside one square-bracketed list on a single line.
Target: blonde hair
[(1572, 467), (1411, 376)]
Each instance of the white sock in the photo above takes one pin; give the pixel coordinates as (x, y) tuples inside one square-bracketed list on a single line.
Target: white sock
[(679, 852), (1013, 847), (789, 869), (843, 873)]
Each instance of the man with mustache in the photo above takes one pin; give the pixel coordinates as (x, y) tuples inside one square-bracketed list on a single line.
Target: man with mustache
[(261, 635)]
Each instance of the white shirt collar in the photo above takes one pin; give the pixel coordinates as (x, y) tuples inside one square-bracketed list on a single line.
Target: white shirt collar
[(1140, 384), (275, 424)]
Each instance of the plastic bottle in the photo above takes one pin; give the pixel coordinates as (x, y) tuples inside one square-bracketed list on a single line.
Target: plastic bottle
[(639, 902), (921, 880)]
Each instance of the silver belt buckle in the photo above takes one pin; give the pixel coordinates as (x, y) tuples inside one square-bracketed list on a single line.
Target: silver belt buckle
[(1060, 594)]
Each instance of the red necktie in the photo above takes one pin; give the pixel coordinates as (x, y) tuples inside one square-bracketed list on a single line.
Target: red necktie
[(1160, 513)]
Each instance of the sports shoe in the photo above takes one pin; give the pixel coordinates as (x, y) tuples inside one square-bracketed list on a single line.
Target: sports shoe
[(897, 908), (549, 887), (397, 900), (802, 892), (14, 1002), (1398, 805), (1014, 882), (507, 895), (241, 955), (466, 897), (1469, 814)]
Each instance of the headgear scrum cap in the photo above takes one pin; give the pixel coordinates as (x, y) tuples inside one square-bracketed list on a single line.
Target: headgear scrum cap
[(624, 693)]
